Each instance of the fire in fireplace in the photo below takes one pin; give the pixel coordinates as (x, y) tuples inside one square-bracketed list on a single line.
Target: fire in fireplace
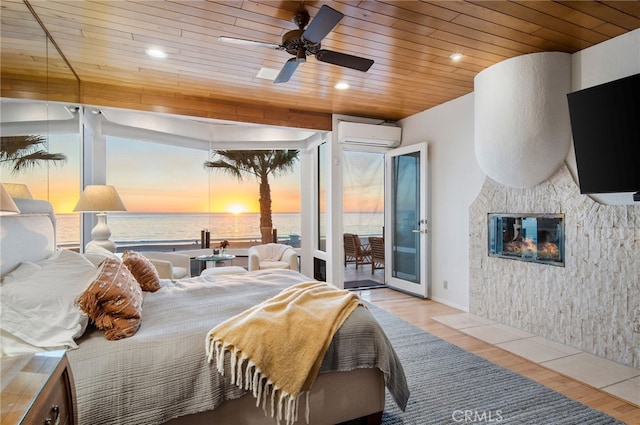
[(537, 238)]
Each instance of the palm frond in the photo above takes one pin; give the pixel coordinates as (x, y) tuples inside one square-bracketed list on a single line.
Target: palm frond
[(35, 158), (24, 152), (13, 146)]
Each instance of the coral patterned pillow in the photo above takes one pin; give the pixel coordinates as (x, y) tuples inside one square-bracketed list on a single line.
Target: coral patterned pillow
[(113, 301), (142, 269)]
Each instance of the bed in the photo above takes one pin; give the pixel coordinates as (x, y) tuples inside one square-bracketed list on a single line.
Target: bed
[(161, 375)]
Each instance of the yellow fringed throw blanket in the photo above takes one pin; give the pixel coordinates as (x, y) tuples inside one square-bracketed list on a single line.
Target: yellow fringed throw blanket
[(276, 347)]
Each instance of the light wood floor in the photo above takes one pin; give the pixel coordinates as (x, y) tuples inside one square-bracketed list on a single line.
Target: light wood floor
[(420, 312)]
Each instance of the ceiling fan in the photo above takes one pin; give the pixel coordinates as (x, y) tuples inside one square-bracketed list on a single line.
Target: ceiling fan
[(306, 42)]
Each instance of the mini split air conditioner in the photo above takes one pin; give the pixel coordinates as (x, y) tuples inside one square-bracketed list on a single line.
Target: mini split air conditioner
[(369, 134)]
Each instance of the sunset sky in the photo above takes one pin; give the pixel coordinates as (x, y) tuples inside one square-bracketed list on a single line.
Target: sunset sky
[(162, 178), (152, 177)]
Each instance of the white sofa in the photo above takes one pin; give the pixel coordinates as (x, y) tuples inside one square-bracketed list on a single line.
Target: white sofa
[(272, 256)]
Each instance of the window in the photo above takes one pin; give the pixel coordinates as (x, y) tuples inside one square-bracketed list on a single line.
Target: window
[(323, 173), (171, 197), (58, 183), (363, 193)]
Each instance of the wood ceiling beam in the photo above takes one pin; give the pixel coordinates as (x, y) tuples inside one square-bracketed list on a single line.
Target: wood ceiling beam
[(196, 106)]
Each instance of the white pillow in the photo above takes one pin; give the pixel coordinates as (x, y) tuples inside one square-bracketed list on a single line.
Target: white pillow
[(25, 269), (97, 254), (40, 309)]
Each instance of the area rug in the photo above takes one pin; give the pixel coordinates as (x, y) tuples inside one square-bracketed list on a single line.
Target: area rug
[(364, 283), (452, 386)]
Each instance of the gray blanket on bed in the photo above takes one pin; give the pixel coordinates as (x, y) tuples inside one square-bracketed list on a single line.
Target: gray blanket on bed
[(161, 372)]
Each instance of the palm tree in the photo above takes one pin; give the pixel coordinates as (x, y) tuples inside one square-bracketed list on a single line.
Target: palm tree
[(260, 164), (23, 152)]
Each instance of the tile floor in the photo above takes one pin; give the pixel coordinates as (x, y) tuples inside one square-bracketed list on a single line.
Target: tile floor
[(614, 378)]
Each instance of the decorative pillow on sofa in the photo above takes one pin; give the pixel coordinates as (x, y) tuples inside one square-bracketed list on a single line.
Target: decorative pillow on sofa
[(38, 303), (113, 301), (142, 270)]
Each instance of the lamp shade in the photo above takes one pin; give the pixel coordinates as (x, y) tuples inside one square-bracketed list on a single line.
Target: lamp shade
[(18, 190), (7, 206), (99, 198)]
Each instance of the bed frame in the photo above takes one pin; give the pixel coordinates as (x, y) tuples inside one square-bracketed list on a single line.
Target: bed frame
[(335, 397)]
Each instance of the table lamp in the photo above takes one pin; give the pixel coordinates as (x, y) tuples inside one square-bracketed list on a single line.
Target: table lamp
[(99, 199), (7, 206)]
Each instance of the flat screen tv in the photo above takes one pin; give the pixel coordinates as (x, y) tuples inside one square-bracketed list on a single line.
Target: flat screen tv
[(605, 122)]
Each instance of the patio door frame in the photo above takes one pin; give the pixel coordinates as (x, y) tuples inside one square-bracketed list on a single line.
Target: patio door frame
[(419, 230)]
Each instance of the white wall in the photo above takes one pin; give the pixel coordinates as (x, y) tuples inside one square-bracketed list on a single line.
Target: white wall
[(455, 180)]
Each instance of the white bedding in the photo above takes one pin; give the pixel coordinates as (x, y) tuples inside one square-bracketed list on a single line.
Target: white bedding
[(162, 373)]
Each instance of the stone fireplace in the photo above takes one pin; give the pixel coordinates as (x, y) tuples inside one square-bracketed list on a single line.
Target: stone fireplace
[(537, 238), (593, 302)]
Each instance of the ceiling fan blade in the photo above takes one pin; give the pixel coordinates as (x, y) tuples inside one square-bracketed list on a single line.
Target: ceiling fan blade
[(243, 42), (287, 71), (322, 24), (343, 59)]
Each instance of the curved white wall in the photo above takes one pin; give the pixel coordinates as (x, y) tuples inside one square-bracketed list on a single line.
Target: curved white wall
[(522, 127)]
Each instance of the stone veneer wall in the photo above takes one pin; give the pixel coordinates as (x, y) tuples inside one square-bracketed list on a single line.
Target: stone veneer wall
[(593, 303)]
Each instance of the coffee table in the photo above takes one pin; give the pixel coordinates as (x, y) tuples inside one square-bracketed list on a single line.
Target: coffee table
[(214, 259)]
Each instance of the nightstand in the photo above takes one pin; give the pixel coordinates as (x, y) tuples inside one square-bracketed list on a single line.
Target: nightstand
[(37, 389)]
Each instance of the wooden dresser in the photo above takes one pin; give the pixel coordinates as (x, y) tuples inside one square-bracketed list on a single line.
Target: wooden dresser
[(37, 390)]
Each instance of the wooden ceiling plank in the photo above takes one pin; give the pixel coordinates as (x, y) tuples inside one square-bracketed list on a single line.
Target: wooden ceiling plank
[(107, 95), (575, 44), (102, 15), (419, 44), (464, 44), (627, 7), (199, 16), (418, 12), (553, 23), (625, 14), (408, 33), (610, 30), (562, 12), (489, 15), (360, 14), (506, 33), (280, 10)]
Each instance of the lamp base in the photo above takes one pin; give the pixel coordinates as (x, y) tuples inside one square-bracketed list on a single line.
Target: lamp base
[(101, 234), (108, 245)]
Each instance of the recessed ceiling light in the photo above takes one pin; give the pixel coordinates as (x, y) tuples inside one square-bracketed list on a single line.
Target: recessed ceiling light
[(455, 56), (341, 85), (156, 53)]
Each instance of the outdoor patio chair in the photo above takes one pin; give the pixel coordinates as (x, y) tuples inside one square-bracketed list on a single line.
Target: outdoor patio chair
[(377, 252), (355, 251)]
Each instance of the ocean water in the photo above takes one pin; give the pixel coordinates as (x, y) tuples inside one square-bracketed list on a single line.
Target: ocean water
[(186, 228)]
